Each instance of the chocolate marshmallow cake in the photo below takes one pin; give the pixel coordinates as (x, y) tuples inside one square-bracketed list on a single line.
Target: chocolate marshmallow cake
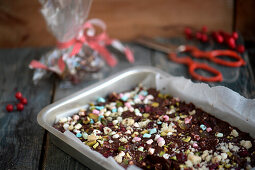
[(151, 130)]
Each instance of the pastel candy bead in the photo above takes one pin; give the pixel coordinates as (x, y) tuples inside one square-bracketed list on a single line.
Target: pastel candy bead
[(96, 111), (203, 127), (79, 135), (101, 100), (146, 135), (166, 118), (152, 131)]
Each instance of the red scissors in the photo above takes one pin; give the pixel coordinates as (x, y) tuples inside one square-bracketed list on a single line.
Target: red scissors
[(210, 55), (195, 52)]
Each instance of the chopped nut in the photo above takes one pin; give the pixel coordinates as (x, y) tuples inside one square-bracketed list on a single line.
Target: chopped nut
[(224, 156), (151, 151), (247, 144), (194, 158), (234, 133), (188, 163), (115, 122), (128, 132), (192, 112), (107, 130), (149, 142), (119, 157), (124, 140), (92, 137), (216, 159), (116, 136), (128, 122), (63, 120)]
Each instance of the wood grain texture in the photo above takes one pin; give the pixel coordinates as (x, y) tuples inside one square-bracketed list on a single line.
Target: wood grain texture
[(21, 24), (128, 18), (245, 17), (21, 137)]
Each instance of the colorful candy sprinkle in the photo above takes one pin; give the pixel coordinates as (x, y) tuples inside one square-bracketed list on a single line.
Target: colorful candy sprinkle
[(219, 135), (209, 129), (152, 131), (101, 100), (166, 118), (159, 122), (114, 110), (146, 135), (99, 107), (79, 135), (100, 118), (91, 121), (187, 120), (203, 127), (95, 111), (144, 93), (124, 98)]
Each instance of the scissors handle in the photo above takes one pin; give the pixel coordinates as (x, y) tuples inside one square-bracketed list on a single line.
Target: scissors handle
[(193, 66), (214, 56)]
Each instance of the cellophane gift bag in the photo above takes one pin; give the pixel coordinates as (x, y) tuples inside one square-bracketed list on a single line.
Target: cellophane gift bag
[(80, 50)]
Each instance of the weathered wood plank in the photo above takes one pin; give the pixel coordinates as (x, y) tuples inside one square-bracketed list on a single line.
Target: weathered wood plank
[(57, 159), (244, 18), (162, 18), (21, 24), (21, 137)]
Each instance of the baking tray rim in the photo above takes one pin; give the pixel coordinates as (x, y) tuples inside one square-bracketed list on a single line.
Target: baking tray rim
[(46, 110)]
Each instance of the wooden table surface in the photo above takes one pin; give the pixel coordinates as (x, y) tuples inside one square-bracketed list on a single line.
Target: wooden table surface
[(25, 145)]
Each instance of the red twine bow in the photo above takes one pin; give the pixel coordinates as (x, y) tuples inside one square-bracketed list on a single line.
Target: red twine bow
[(95, 42)]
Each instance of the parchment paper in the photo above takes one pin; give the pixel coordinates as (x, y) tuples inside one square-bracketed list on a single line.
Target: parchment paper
[(219, 101)]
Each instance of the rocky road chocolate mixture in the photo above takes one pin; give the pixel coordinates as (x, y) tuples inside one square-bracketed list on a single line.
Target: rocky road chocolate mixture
[(156, 131)]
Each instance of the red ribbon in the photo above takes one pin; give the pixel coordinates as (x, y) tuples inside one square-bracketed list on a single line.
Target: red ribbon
[(95, 42)]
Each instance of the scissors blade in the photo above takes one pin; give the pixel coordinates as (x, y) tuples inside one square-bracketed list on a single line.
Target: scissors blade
[(152, 44)]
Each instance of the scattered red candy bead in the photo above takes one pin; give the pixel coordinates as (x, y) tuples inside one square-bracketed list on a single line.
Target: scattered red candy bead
[(240, 48), (204, 38), (188, 33), (198, 35), (204, 29), (219, 38), (231, 42), (23, 100), (9, 107), (20, 106), (18, 95), (235, 35)]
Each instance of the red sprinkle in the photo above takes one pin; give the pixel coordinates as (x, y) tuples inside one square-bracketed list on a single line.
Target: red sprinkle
[(240, 48), (9, 107), (20, 106), (18, 95), (23, 100), (235, 35)]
